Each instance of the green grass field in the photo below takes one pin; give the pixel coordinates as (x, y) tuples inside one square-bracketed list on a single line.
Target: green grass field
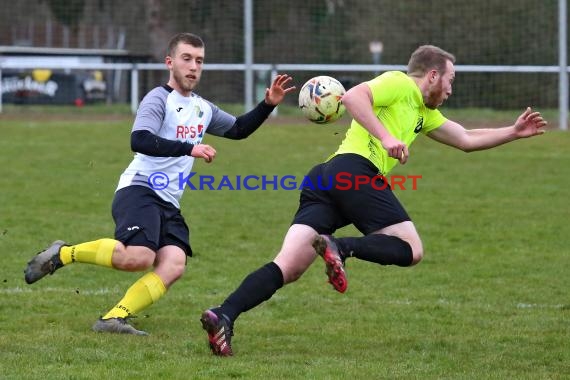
[(489, 301)]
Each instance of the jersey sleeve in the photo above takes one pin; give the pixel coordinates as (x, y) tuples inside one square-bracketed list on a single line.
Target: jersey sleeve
[(151, 111), (434, 119), (221, 121), (386, 89)]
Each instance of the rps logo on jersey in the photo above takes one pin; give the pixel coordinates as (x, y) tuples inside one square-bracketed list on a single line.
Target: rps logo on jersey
[(191, 132)]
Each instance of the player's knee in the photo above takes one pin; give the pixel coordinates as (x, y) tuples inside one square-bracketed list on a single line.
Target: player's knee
[(137, 264), (170, 272), (291, 275), (177, 271), (418, 255), (417, 252), (134, 259), (294, 259)]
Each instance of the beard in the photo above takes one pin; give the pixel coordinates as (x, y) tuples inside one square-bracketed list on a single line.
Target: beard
[(431, 105), (435, 98), (184, 83)]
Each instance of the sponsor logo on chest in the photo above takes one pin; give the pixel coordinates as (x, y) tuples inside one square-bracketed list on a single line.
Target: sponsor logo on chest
[(419, 124), (190, 125)]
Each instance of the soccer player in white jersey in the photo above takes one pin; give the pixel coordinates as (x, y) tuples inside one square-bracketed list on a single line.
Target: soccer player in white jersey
[(150, 231)]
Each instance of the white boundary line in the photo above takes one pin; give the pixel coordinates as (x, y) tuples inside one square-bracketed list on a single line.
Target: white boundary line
[(405, 302)]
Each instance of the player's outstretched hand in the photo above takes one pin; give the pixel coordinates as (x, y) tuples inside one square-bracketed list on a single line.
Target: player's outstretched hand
[(275, 94), (203, 151), (529, 124)]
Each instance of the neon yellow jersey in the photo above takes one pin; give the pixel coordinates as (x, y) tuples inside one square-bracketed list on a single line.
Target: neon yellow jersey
[(398, 104)]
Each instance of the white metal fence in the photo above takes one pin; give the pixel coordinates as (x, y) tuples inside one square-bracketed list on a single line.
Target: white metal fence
[(134, 70), (249, 68)]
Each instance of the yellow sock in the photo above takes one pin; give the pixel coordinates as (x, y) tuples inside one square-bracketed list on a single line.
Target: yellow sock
[(99, 252), (143, 293)]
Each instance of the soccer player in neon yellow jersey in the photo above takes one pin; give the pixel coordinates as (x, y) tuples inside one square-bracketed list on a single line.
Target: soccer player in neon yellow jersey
[(389, 112), (150, 232)]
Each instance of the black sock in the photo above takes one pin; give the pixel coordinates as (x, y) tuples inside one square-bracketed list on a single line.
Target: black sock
[(378, 248), (256, 288)]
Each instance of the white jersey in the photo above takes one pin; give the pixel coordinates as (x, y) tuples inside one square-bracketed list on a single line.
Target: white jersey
[(170, 115)]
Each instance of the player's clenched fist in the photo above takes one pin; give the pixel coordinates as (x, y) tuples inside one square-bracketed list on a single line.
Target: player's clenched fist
[(203, 151)]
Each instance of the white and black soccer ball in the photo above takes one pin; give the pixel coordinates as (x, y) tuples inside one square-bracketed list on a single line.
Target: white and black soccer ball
[(320, 99)]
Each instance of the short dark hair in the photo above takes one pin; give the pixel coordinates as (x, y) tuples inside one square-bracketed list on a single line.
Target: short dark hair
[(426, 58), (186, 38)]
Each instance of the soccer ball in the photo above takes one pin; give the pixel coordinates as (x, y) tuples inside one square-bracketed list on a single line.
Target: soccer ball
[(320, 99)]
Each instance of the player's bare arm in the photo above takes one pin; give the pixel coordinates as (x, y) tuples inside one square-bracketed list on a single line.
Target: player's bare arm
[(358, 102), (279, 88), (528, 124)]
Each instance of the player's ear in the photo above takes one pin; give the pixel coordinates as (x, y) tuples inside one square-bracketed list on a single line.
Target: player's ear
[(168, 61), (432, 75)]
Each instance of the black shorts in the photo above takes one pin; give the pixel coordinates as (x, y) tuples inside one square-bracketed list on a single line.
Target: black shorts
[(143, 218), (335, 195)]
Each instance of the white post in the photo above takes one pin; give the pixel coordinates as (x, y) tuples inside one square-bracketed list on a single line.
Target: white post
[(248, 53), (563, 63), (134, 89), (273, 76), (0, 90)]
